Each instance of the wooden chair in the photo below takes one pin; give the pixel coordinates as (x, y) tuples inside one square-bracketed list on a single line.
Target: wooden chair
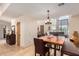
[(40, 47)]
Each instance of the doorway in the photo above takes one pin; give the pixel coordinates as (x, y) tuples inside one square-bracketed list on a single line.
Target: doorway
[(18, 34), (42, 29)]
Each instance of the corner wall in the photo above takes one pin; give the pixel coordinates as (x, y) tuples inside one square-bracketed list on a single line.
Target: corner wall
[(73, 24)]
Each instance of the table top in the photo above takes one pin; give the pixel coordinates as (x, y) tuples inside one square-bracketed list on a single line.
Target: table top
[(52, 39)]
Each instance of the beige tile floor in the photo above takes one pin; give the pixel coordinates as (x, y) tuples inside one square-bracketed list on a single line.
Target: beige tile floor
[(7, 50)]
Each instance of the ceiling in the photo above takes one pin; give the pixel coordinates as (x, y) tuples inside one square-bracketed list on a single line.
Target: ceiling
[(39, 10)]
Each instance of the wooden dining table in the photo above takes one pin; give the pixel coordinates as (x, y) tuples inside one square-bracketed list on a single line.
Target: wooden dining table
[(53, 40)]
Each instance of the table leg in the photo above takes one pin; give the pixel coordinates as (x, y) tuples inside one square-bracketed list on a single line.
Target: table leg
[(62, 51), (54, 49)]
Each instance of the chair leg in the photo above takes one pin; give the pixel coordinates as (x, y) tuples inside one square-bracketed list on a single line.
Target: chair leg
[(35, 53), (62, 52), (49, 52), (59, 47)]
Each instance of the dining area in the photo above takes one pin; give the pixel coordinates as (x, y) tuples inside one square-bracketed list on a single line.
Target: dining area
[(46, 44)]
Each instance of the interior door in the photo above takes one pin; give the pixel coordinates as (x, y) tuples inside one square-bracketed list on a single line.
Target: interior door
[(42, 29), (18, 34)]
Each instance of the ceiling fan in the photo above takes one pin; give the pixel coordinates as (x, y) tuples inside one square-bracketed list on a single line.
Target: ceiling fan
[(60, 4)]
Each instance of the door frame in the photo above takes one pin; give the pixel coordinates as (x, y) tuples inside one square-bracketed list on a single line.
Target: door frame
[(18, 32)]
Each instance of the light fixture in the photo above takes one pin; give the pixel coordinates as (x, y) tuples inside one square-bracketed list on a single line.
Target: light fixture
[(60, 4), (48, 18)]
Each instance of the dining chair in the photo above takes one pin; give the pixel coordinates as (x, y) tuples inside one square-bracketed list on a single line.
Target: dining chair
[(40, 47), (39, 35)]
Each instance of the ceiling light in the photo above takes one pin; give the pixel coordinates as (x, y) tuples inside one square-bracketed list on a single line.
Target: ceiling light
[(48, 18)]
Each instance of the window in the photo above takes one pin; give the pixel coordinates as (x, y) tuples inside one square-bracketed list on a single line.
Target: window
[(60, 25), (63, 24), (53, 25)]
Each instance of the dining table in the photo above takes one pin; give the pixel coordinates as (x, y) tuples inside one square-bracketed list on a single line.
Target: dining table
[(53, 40)]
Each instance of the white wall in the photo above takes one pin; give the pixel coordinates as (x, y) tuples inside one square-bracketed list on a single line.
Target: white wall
[(73, 24), (28, 30)]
